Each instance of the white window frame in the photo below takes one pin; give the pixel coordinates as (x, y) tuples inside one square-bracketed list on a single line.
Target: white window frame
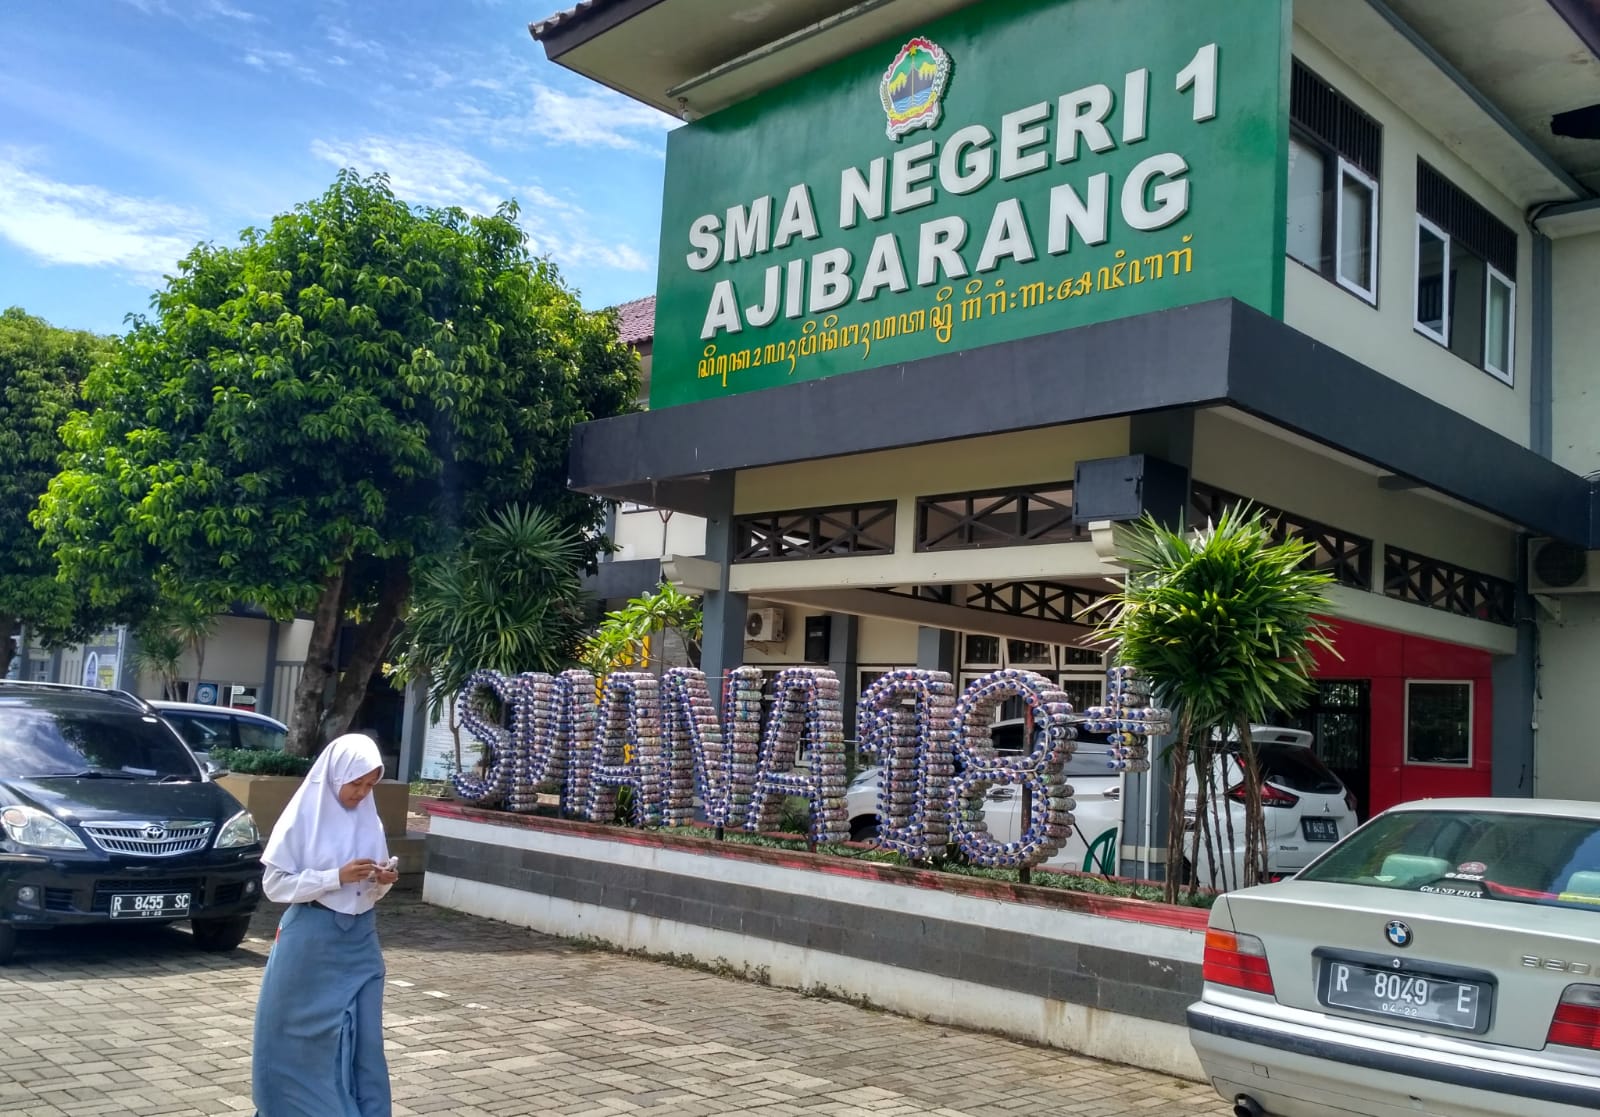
[(1423, 328), (1472, 709), (1369, 293), (1491, 276)]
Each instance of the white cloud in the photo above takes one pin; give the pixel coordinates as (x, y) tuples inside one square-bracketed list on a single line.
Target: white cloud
[(228, 11), (269, 60), (68, 223), (595, 119), (431, 172), (346, 40), (421, 171)]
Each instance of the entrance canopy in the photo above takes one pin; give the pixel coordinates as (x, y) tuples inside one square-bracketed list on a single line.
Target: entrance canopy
[(1219, 354)]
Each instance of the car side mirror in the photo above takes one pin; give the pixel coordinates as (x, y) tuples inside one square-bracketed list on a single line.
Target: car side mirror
[(213, 770)]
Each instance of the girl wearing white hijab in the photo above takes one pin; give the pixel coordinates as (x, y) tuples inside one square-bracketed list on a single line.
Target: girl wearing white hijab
[(319, 1022)]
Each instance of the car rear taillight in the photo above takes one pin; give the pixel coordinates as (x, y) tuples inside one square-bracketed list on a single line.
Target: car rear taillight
[(1239, 961), (1350, 801), (1270, 796), (1577, 1019)]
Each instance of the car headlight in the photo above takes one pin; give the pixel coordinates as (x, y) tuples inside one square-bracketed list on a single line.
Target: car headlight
[(240, 830), (29, 826)]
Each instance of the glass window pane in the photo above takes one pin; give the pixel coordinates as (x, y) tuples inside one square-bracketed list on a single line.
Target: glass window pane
[(1307, 205), (1356, 205), (1438, 723), (1468, 275), (1497, 343), (1082, 693), (981, 651), (1029, 653), (1082, 657), (255, 735), (1432, 254)]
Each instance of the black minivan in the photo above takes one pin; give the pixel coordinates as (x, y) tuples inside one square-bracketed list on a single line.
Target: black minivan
[(107, 817)]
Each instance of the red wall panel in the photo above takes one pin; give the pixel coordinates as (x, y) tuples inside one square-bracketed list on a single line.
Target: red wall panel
[(1387, 659)]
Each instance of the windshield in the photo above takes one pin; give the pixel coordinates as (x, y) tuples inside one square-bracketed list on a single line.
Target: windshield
[(1535, 859), (36, 743)]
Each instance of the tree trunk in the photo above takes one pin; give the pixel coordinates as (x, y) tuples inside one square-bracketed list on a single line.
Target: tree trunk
[(8, 628), (1177, 800), (1255, 823), (372, 641), (310, 694)]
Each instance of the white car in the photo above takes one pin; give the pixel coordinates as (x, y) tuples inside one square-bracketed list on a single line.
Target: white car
[(1444, 959), (1305, 806), (204, 728), (1097, 790)]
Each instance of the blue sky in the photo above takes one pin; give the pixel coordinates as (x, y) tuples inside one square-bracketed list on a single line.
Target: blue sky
[(134, 128)]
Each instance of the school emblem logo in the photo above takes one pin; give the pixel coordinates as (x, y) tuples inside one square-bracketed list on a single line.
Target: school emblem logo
[(912, 89)]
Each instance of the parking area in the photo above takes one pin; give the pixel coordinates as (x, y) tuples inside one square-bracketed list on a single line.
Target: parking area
[(485, 1019)]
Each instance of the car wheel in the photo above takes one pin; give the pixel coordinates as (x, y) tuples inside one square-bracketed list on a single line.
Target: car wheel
[(218, 935), (864, 829), (8, 943)]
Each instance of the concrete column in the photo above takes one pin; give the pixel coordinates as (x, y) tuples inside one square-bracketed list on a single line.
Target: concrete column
[(842, 660), (1168, 435), (722, 646), (269, 675), (1514, 680), (413, 732), (936, 650)]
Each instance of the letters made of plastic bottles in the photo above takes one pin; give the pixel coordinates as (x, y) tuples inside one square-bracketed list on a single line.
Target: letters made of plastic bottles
[(679, 754)]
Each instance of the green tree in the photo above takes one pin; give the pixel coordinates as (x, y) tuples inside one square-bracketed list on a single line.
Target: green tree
[(41, 369), (622, 635), (509, 599), (1224, 622), (304, 415)]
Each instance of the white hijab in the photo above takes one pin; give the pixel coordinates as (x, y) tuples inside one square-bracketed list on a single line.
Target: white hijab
[(316, 831)]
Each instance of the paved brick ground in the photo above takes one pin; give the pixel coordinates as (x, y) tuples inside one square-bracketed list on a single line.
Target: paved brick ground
[(485, 1019)]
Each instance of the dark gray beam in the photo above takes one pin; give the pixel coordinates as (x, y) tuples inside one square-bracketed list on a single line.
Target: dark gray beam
[(1307, 387), (1172, 358)]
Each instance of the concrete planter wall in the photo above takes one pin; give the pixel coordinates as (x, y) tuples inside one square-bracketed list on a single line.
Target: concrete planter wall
[(1108, 978), (266, 797)]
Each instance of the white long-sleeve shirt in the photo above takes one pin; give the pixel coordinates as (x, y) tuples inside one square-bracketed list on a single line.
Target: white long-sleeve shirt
[(311, 884)]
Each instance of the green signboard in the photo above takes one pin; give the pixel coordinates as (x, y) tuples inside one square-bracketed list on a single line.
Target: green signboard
[(1016, 168)]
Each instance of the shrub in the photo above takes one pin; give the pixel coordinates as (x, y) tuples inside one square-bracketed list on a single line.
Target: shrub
[(260, 762)]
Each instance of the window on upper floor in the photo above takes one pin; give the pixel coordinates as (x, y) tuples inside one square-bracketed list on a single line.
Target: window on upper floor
[(1466, 276), (1335, 155)]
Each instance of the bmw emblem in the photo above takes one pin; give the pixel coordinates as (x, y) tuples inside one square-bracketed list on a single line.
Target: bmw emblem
[(1397, 933)]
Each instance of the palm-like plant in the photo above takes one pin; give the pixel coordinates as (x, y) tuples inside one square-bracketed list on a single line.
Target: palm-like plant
[(179, 622), (622, 635), (510, 598), (1225, 622)]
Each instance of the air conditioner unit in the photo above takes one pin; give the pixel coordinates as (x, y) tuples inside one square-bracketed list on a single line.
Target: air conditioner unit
[(1558, 567), (764, 626)]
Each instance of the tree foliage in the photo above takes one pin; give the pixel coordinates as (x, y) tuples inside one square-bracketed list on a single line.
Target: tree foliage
[(510, 599), (41, 369), (622, 635), (306, 413), (1225, 622)]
